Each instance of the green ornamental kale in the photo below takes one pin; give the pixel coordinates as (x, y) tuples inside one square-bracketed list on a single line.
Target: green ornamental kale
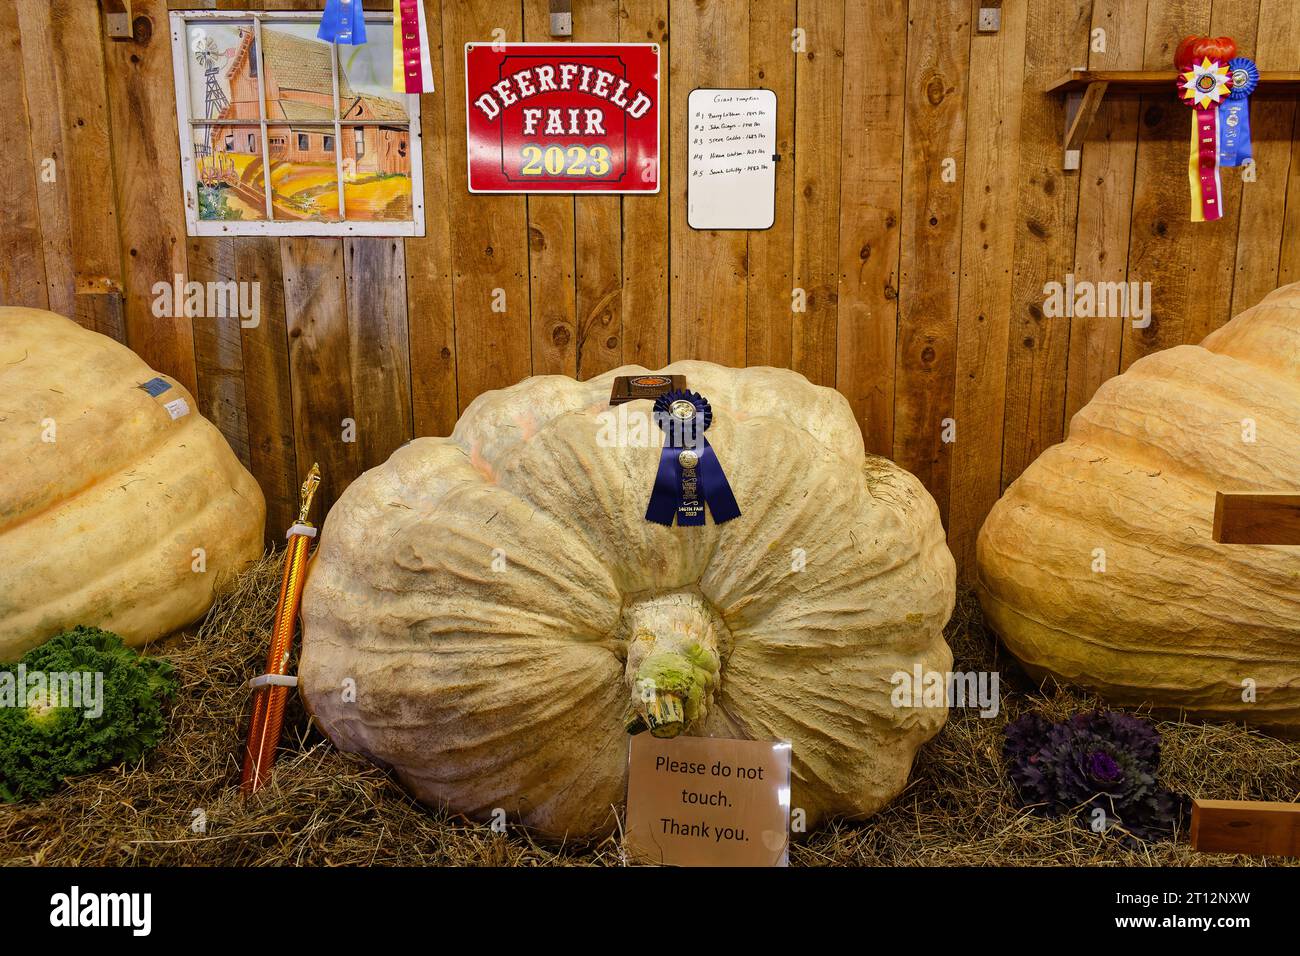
[(78, 702)]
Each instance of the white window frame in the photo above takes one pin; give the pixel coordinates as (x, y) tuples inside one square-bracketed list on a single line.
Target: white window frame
[(180, 21)]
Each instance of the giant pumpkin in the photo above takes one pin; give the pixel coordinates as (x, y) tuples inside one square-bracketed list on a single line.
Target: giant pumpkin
[(484, 610), (1098, 564), (118, 508)]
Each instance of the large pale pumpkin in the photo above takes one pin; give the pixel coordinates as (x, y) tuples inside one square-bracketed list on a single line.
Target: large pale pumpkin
[(105, 495), (1098, 564), (492, 599)]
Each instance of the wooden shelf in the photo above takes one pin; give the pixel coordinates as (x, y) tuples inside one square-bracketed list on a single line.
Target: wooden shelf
[(1085, 90), (1135, 82)]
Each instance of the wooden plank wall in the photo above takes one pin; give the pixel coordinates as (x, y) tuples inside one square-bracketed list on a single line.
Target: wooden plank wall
[(921, 208)]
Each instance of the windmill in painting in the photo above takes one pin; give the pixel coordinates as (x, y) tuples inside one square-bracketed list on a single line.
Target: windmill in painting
[(306, 146), (210, 58)]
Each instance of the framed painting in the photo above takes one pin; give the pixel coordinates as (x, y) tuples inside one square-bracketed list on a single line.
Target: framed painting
[(284, 134)]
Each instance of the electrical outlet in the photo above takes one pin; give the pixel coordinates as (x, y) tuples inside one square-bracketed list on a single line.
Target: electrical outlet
[(990, 20)]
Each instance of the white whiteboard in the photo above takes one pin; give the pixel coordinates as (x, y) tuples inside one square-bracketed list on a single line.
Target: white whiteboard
[(731, 159)]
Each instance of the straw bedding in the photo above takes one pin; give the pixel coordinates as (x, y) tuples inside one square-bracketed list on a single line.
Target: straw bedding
[(180, 806)]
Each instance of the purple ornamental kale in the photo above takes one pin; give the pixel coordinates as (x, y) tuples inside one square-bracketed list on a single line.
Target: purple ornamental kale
[(1101, 759)]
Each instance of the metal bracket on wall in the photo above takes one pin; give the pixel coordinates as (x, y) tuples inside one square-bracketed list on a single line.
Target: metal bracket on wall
[(561, 18), (117, 17), (1080, 111)]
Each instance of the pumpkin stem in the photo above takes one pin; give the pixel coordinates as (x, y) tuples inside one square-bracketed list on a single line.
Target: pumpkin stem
[(665, 716), (673, 663)]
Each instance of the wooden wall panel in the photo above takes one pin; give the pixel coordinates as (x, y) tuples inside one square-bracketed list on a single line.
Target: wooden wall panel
[(22, 267), (552, 253), (142, 110), (93, 216), (1046, 210), (772, 60), (934, 139), (268, 386), (320, 350), (987, 243), (430, 304), (1163, 239), (646, 263), (490, 245), (871, 187), (218, 346), (597, 233), (1264, 201), (379, 357), (45, 115), (1105, 200), (711, 49), (250, 362), (819, 89), (926, 296)]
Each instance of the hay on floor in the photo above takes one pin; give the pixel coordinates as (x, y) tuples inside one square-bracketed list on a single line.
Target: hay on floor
[(180, 806)]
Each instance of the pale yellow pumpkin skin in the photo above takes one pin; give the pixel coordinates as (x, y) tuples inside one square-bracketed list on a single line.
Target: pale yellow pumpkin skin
[(1174, 619), (477, 596), (99, 526)]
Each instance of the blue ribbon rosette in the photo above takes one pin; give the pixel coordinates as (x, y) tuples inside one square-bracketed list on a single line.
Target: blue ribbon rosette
[(1234, 114), (690, 475), (344, 21)]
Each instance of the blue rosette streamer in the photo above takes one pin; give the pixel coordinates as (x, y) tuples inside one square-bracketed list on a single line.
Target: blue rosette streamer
[(343, 21), (690, 475), (1234, 114)]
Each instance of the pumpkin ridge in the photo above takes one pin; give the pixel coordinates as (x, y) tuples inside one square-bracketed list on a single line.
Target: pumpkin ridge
[(1179, 652), (162, 437)]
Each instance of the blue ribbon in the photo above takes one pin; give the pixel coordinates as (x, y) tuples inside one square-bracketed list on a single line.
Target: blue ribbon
[(1234, 114), (344, 21), (690, 474)]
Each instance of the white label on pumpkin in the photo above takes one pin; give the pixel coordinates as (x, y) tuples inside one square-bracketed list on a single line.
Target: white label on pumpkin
[(177, 408)]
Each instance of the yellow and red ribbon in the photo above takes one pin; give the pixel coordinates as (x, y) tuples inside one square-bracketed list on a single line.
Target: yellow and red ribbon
[(412, 59)]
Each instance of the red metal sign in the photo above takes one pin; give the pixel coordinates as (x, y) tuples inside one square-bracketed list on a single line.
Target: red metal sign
[(562, 117)]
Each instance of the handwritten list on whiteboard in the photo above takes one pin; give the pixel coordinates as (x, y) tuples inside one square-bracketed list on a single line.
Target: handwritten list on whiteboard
[(731, 159)]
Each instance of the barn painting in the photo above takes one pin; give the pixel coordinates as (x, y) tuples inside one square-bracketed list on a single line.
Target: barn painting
[(304, 148)]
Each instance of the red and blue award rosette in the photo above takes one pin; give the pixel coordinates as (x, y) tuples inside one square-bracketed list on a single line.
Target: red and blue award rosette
[(1204, 81), (1234, 114), (690, 475)]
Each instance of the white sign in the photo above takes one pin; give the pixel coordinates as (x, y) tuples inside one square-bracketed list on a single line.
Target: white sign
[(731, 159), (708, 801)]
